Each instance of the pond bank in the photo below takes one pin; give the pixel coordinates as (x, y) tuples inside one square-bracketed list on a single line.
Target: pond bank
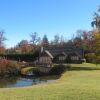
[(20, 81), (28, 80)]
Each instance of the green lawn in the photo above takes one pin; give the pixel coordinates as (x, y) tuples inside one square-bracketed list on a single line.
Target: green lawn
[(77, 84)]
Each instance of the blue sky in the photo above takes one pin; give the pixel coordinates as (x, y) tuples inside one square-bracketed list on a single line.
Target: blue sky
[(21, 17)]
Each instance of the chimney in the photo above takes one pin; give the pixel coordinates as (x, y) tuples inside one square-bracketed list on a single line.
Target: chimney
[(41, 49)]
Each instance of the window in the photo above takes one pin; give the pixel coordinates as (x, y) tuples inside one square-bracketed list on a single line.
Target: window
[(62, 58), (44, 59), (74, 58), (41, 59)]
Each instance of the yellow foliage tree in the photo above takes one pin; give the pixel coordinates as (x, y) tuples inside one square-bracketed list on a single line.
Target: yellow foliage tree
[(96, 45)]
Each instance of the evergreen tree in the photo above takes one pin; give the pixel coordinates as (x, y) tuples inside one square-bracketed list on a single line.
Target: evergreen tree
[(45, 41)]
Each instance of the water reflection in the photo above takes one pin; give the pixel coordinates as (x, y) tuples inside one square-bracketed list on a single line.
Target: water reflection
[(21, 82)]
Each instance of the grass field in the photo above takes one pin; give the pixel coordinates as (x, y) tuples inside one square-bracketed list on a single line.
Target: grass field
[(81, 83)]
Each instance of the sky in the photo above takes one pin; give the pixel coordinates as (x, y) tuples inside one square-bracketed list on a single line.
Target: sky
[(19, 18)]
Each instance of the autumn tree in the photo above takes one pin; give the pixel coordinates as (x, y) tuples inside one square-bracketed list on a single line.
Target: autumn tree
[(83, 39), (77, 42), (11, 50), (96, 45), (97, 42), (2, 50), (95, 37), (23, 47)]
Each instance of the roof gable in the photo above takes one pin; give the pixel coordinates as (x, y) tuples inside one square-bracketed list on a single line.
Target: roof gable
[(48, 53)]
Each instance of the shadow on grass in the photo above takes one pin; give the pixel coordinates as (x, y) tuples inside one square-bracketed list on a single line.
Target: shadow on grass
[(83, 68), (42, 76)]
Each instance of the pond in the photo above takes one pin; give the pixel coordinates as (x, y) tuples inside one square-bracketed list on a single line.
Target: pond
[(22, 82)]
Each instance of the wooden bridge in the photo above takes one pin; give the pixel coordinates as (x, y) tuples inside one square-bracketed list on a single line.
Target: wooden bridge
[(32, 70)]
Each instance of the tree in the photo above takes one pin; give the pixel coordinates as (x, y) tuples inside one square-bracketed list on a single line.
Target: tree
[(45, 41), (10, 51), (69, 43), (77, 40), (2, 38), (83, 39), (95, 55), (23, 47), (34, 38), (96, 20), (96, 43), (62, 40), (2, 50), (56, 39)]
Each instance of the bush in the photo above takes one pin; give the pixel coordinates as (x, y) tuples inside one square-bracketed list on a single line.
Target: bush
[(8, 68), (92, 58)]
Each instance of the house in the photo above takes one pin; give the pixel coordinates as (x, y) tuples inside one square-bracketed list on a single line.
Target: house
[(48, 56)]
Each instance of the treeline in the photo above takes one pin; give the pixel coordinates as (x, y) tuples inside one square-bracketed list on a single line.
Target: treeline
[(83, 39)]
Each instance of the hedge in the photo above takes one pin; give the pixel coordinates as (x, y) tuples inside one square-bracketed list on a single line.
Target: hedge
[(21, 57)]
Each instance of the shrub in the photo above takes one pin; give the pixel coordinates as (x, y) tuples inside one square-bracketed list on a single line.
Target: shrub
[(8, 68), (92, 58), (89, 57)]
